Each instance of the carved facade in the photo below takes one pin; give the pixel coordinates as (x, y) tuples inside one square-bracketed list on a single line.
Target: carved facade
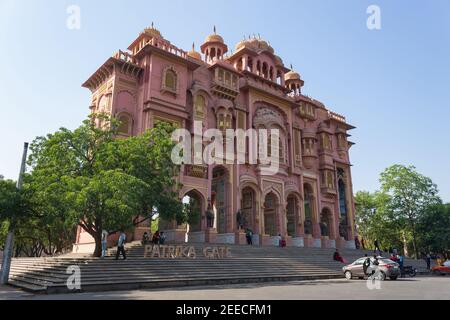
[(310, 200)]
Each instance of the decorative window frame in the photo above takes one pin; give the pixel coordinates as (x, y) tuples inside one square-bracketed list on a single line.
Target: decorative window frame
[(130, 124), (203, 114), (165, 88)]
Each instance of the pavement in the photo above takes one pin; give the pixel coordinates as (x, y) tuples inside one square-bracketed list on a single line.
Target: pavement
[(419, 288)]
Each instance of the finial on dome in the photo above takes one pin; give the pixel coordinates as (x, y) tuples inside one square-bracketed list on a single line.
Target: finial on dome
[(215, 30), (292, 68), (193, 46)]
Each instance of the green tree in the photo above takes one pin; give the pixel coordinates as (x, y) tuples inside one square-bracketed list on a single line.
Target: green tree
[(92, 178), (411, 194), (433, 229), (374, 219)]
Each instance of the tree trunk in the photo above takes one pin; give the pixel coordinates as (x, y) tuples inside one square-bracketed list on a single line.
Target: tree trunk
[(98, 244), (416, 250)]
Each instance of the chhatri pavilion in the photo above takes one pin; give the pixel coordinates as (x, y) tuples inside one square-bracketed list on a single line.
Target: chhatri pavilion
[(309, 201)]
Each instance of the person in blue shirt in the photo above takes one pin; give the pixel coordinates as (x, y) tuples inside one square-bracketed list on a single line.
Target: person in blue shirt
[(121, 245), (400, 261)]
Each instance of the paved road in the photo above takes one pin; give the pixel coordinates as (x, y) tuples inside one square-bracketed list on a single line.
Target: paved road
[(416, 288)]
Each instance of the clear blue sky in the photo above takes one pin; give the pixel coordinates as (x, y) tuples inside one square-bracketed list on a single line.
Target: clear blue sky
[(392, 84)]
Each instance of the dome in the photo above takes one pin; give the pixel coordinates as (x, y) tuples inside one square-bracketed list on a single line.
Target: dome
[(255, 44), (214, 38), (292, 75), (152, 32), (194, 54)]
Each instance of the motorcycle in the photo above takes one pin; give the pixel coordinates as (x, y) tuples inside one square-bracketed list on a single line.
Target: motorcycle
[(409, 271)]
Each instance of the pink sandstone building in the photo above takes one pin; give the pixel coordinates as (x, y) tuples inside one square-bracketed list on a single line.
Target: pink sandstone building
[(309, 201)]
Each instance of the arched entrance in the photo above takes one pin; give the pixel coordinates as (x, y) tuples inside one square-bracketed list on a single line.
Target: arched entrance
[(193, 206), (309, 208), (271, 204), (326, 222), (291, 215), (248, 209), (219, 198)]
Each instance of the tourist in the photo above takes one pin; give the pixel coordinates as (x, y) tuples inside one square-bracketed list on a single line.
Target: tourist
[(104, 243), (400, 261), (162, 238), (363, 243), (156, 237), (338, 257), (377, 246), (283, 243), (145, 239), (278, 240), (393, 257), (121, 245), (428, 258), (366, 265), (249, 236)]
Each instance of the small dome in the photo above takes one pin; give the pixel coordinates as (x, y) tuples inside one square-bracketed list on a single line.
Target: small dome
[(194, 54), (152, 32), (292, 75), (214, 38), (278, 61)]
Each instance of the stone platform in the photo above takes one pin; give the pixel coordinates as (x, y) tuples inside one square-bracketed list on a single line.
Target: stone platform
[(247, 265)]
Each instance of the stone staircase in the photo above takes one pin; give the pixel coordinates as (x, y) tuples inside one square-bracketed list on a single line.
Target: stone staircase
[(247, 265)]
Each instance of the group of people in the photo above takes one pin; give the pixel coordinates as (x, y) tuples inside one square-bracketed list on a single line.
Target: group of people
[(120, 244), (157, 238)]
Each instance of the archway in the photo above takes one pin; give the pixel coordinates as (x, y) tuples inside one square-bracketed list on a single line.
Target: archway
[(220, 198), (248, 208), (309, 208), (193, 204), (271, 204), (291, 215), (325, 222)]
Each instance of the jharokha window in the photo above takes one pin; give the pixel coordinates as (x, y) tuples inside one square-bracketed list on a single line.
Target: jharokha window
[(325, 141), (199, 106), (282, 158), (224, 121), (125, 125), (328, 179), (170, 80)]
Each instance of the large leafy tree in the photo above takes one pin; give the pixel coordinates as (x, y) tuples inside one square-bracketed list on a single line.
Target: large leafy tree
[(434, 229), (374, 219), (90, 177), (411, 194)]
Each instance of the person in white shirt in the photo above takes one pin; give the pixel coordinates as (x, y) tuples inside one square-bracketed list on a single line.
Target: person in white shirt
[(121, 245), (104, 243)]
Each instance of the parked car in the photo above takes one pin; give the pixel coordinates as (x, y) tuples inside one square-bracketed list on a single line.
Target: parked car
[(388, 269), (441, 270)]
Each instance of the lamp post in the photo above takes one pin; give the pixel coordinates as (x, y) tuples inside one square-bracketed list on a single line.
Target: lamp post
[(7, 254)]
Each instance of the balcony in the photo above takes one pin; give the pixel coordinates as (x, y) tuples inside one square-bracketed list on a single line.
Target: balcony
[(196, 171)]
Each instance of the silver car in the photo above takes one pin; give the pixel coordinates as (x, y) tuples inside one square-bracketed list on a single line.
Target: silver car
[(386, 267)]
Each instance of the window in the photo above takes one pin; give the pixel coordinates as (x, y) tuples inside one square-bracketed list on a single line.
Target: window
[(125, 125), (199, 106), (170, 80), (325, 141), (342, 199)]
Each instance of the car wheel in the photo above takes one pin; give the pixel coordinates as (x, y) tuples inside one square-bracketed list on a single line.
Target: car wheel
[(393, 278), (348, 275)]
